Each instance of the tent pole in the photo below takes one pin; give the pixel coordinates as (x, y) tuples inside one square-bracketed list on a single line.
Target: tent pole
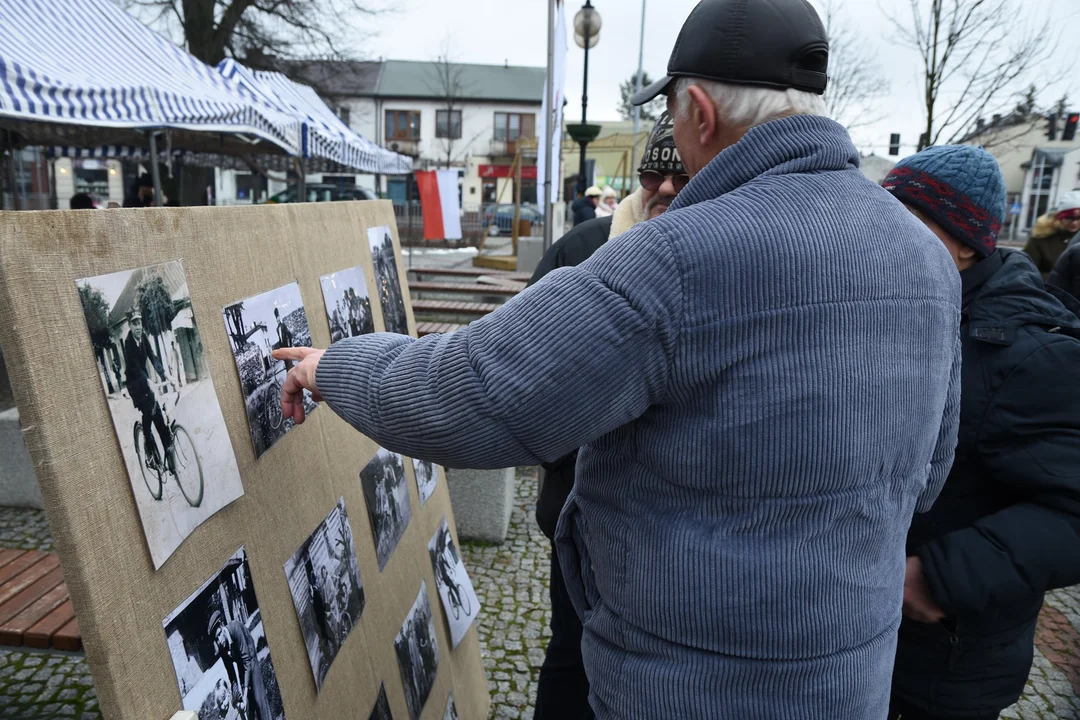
[(155, 173), (549, 125), (301, 180)]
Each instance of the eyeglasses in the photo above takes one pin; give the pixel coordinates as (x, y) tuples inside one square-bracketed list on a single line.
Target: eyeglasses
[(652, 180)]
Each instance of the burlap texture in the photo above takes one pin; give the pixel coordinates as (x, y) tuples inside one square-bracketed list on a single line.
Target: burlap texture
[(228, 254)]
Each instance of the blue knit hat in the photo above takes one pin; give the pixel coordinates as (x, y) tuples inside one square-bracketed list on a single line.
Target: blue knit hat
[(959, 187)]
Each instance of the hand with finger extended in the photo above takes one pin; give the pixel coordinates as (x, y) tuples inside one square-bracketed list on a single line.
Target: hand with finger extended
[(300, 378)]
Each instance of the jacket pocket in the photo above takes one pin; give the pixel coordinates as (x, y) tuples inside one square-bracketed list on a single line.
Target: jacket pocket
[(574, 557)]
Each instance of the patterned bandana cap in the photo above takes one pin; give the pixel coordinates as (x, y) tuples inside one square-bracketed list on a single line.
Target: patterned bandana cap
[(959, 187), (661, 155)]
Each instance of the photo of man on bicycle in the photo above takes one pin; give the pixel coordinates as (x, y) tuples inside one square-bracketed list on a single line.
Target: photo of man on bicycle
[(452, 580), (138, 353)]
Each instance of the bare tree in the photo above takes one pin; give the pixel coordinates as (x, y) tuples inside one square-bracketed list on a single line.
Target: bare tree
[(447, 82), (856, 80), (977, 57), (257, 31)]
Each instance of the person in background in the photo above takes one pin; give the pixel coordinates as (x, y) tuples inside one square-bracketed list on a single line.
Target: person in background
[(608, 202), (1052, 233), (563, 688), (142, 193), (1006, 527), (81, 201), (763, 382), (584, 208)]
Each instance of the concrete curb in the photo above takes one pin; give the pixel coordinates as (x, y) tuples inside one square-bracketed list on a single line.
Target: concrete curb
[(482, 501)]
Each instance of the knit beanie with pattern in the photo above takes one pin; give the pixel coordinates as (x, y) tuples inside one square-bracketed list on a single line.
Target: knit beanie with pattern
[(959, 187)]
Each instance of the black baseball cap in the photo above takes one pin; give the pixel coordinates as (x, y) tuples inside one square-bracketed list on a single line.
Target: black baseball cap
[(769, 43)]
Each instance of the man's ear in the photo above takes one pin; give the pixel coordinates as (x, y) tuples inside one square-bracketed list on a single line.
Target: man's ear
[(702, 115), (966, 253)]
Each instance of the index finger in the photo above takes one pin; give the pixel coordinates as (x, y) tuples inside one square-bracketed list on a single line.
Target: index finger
[(293, 353)]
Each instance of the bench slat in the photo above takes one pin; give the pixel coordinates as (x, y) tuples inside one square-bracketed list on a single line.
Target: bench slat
[(469, 288), (461, 307), (7, 556), (68, 637), (13, 586), (26, 597), (473, 272), (13, 630), (27, 559), (431, 328), (41, 634)]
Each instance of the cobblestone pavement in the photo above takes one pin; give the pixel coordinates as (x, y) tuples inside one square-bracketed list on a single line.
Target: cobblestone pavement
[(511, 581)]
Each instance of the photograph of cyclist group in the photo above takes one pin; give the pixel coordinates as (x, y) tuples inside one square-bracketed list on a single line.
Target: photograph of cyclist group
[(381, 711), (219, 649), (150, 359), (426, 479), (455, 588), (348, 306), (324, 580), (387, 497), (387, 280), (417, 653), (257, 326)]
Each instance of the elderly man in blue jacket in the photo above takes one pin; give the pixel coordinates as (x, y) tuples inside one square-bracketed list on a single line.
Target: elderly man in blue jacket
[(763, 382)]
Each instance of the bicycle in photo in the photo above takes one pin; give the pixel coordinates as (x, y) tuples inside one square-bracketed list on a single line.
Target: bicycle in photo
[(272, 396), (458, 598), (185, 467)]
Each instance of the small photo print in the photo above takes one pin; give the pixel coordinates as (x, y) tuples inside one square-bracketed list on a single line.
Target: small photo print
[(324, 580), (388, 280), (381, 711), (348, 306), (426, 479), (417, 654), (451, 710), (219, 649), (387, 497), (257, 326), (150, 359), (455, 588)]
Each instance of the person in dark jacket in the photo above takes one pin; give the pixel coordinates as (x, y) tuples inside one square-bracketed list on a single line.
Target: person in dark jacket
[(137, 354), (1052, 234), (1066, 272), (142, 193), (237, 649), (563, 688), (1006, 526), (584, 208)]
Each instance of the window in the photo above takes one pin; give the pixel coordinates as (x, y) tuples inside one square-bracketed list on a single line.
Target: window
[(448, 124), (511, 126), (343, 114), (402, 125)]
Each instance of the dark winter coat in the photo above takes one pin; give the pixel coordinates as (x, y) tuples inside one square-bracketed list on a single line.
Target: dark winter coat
[(1006, 527), (1066, 272), (573, 248), (1045, 251), (583, 209), (136, 355)]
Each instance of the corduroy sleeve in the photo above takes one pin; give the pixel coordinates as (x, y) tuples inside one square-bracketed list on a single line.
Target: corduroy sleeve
[(942, 459), (1030, 441), (582, 352)]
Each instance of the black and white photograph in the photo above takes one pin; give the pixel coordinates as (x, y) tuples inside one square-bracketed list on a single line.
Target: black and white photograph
[(153, 370), (324, 580), (452, 581), (348, 306), (257, 326), (381, 711), (426, 479), (387, 497), (417, 654), (387, 280), (451, 710), (219, 649)]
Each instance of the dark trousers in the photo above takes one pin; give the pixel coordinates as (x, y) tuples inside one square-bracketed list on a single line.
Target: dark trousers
[(901, 710), (151, 415), (563, 690)]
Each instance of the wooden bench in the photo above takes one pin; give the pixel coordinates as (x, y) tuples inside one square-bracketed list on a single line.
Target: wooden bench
[(473, 273), (35, 610), (467, 288), (455, 307), (433, 328)]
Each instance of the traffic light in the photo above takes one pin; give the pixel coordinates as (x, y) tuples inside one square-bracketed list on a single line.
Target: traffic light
[(1051, 126), (1069, 134), (894, 144)]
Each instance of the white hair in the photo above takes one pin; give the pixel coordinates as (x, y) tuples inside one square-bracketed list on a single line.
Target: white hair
[(748, 106)]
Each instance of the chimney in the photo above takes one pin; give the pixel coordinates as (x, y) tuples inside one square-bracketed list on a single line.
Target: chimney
[(997, 120), (980, 125)]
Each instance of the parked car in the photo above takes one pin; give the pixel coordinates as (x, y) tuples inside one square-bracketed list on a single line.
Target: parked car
[(499, 219), (324, 192)]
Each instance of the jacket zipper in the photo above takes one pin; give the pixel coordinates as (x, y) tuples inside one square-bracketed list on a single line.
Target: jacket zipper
[(954, 649)]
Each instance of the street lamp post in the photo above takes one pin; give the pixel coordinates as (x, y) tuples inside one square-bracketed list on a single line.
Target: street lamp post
[(587, 25)]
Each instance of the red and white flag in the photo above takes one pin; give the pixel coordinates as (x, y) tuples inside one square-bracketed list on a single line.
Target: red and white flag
[(439, 203)]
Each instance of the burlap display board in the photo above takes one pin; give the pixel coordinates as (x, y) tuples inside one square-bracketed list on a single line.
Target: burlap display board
[(228, 254)]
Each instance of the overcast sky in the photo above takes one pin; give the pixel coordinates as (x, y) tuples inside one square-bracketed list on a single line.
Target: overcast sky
[(515, 31)]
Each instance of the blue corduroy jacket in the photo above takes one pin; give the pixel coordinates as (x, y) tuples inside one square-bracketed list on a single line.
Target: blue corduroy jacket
[(764, 381)]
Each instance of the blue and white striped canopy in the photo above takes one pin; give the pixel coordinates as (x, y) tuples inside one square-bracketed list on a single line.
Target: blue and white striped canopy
[(325, 135), (85, 73)]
